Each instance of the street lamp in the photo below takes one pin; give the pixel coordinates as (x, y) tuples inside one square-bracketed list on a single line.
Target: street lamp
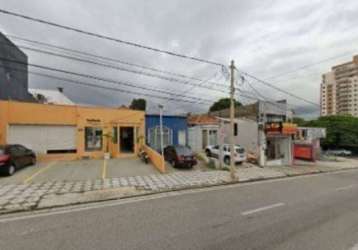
[(161, 128)]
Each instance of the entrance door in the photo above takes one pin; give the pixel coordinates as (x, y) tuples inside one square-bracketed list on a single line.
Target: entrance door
[(204, 139), (126, 140)]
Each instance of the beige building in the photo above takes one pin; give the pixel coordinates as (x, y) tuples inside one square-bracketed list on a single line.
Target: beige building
[(339, 89)]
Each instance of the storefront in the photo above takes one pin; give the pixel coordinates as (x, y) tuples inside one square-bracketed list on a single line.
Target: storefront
[(71, 132), (279, 143)]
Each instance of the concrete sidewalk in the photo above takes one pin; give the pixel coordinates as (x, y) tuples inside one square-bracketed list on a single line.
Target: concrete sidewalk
[(60, 193)]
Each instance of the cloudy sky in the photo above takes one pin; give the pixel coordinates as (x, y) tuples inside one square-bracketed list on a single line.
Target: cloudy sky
[(288, 43)]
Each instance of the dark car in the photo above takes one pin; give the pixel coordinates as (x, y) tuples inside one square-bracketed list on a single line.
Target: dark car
[(180, 156), (14, 157)]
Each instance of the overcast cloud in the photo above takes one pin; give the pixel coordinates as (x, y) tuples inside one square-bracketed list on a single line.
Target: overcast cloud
[(265, 38)]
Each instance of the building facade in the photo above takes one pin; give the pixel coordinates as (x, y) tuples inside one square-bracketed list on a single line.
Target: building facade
[(339, 90), (307, 143), (71, 132), (203, 131), (13, 76), (274, 130), (207, 130), (175, 130)]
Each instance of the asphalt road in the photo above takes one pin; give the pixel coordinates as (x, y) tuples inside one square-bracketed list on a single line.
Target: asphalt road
[(313, 212)]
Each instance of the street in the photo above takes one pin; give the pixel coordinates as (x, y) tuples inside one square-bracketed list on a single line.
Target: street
[(312, 212)]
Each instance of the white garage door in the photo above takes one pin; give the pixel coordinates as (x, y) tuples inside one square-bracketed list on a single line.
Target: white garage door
[(42, 138)]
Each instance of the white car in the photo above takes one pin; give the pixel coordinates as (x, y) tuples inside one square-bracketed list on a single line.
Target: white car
[(214, 151)]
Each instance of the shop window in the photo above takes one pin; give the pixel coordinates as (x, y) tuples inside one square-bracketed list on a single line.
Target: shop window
[(93, 139)]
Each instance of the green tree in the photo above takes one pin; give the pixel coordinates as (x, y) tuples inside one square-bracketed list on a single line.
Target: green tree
[(223, 103), (342, 131), (138, 104), (299, 121)]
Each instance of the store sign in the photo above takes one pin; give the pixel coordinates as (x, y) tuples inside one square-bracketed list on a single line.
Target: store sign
[(289, 128), (93, 121), (280, 128)]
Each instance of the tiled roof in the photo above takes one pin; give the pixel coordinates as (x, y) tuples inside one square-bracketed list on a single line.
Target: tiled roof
[(202, 120)]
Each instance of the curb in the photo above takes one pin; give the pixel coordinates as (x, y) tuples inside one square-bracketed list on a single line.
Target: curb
[(194, 187)]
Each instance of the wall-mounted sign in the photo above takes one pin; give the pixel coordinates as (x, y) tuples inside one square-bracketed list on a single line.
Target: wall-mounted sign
[(289, 128), (93, 121), (283, 128)]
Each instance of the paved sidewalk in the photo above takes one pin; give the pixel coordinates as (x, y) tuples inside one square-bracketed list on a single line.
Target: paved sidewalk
[(59, 193), (29, 196)]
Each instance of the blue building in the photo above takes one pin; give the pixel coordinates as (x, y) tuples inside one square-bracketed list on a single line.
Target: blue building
[(175, 130)]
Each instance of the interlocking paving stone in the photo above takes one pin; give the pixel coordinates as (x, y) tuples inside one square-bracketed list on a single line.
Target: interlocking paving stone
[(15, 197)]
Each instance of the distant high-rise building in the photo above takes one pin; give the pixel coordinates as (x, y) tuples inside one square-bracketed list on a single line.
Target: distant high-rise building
[(13, 75), (339, 89)]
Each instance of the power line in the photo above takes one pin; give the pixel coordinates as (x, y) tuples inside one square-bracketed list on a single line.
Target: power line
[(307, 66), (114, 67), (42, 21), (77, 82), (100, 79), (279, 89), (106, 58)]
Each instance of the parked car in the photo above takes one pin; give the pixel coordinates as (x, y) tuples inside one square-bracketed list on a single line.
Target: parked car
[(339, 152), (14, 157), (214, 151), (180, 156)]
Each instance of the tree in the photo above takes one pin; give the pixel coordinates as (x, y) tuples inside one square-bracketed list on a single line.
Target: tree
[(299, 121), (342, 131), (138, 104), (223, 103)]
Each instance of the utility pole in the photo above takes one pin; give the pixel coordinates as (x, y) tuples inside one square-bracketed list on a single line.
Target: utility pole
[(161, 129), (232, 116)]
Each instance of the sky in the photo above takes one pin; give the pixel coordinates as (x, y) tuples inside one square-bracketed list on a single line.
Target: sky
[(289, 44)]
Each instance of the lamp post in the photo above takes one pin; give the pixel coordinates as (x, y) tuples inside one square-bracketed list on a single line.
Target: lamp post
[(161, 128)]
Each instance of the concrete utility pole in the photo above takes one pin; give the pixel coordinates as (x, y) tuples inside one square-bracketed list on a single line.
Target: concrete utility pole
[(161, 129), (232, 116)]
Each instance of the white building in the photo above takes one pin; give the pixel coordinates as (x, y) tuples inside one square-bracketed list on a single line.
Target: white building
[(203, 130), (207, 130), (51, 96)]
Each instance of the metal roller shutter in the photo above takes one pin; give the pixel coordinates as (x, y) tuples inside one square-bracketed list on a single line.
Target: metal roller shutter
[(42, 138)]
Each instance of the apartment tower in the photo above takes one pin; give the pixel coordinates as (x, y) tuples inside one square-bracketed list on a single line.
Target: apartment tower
[(339, 90)]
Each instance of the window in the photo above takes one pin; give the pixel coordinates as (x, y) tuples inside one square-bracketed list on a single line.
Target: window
[(114, 135), (235, 129), (154, 137), (213, 137), (93, 139)]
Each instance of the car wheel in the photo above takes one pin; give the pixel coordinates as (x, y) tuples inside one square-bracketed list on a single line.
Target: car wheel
[(227, 160), (208, 153), (11, 170), (172, 162)]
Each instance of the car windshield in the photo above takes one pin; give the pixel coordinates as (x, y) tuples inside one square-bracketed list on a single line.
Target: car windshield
[(240, 150), (2, 150), (183, 151)]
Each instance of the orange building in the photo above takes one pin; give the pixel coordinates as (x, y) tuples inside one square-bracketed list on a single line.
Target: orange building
[(71, 132)]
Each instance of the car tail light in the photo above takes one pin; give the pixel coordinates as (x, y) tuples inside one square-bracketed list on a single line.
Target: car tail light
[(180, 158), (4, 159)]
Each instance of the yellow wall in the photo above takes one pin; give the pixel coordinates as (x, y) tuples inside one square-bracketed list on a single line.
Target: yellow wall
[(156, 158), (48, 114)]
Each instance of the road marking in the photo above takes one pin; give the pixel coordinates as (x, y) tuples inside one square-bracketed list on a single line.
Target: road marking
[(345, 188), (260, 209), (104, 169), (41, 170)]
